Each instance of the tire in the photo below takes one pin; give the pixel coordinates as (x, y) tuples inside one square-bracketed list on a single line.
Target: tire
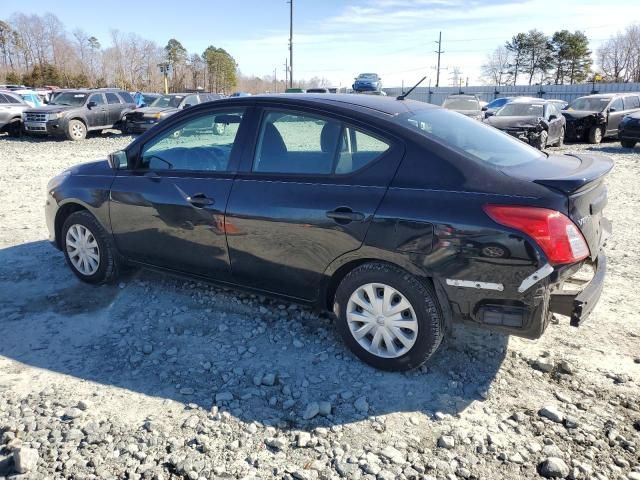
[(74, 227), (595, 135), (541, 143), (76, 130), (422, 314), (560, 141), (628, 143), (14, 128)]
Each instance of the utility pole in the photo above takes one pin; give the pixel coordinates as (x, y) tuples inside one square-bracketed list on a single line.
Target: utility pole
[(286, 71), (290, 2), (275, 80), (439, 52)]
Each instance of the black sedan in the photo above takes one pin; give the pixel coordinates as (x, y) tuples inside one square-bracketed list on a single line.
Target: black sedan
[(398, 216), (629, 130)]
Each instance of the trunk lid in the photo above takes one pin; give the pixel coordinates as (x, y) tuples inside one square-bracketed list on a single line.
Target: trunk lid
[(581, 178)]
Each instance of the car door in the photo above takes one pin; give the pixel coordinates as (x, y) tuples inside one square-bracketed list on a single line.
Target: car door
[(96, 114), (305, 196), (168, 209), (4, 110), (553, 117), (114, 108), (616, 112)]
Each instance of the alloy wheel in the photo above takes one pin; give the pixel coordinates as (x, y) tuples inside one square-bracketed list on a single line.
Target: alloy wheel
[(82, 249), (382, 320)]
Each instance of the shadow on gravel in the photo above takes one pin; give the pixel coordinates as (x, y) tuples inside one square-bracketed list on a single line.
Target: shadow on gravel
[(258, 359), (616, 149), (25, 138)]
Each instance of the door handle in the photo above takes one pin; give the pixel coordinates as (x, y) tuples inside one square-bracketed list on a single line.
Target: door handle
[(152, 176), (345, 215), (200, 200)]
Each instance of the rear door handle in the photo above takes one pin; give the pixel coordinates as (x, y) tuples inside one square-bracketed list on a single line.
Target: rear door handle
[(200, 200), (345, 215)]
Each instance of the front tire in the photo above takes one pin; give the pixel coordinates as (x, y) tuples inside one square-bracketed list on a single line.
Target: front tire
[(595, 135), (541, 143), (88, 249), (628, 143), (14, 129), (76, 130), (398, 329)]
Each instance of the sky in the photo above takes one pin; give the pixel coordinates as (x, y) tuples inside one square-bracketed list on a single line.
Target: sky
[(338, 39)]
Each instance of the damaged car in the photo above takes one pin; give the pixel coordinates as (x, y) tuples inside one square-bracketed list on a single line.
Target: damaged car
[(535, 121), (629, 130), (595, 117), (399, 217)]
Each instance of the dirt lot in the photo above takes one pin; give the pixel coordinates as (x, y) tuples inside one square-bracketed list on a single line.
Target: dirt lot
[(159, 378)]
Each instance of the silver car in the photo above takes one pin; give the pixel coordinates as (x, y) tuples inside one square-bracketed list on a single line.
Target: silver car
[(11, 108)]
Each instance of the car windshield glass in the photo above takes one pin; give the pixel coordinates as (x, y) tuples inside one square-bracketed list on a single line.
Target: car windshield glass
[(149, 99), (483, 143), (521, 110), (70, 99), (168, 101), (589, 104), (497, 103), (368, 76), (461, 104)]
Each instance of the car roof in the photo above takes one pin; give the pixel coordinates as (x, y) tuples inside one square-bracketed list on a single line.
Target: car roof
[(387, 105)]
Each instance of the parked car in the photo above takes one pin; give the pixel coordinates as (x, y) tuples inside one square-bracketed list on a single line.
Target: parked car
[(629, 130), (318, 90), (492, 107), (73, 113), (595, 117), (468, 105), (560, 104), (11, 108), (387, 212), (142, 119), (31, 97), (295, 90), (367, 82), (240, 94), (534, 121)]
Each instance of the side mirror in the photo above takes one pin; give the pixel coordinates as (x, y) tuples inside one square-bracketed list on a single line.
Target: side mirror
[(613, 109), (553, 117), (187, 105), (92, 104), (118, 160), (484, 109)]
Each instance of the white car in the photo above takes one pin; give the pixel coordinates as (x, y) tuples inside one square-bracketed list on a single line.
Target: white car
[(30, 97)]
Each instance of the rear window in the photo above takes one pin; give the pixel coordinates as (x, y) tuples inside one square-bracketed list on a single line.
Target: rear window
[(521, 110), (461, 104), (481, 142), (126, 97)]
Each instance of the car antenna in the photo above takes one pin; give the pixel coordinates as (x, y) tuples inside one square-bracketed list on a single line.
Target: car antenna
[(405, 95)]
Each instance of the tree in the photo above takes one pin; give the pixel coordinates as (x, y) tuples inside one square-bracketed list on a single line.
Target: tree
[(619, 56), (570, 57), (221, 69), (517, 47), (496, 68), (537, 55), (176, 56)]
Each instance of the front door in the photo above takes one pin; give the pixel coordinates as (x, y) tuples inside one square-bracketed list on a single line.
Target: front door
[(554, 118), (168, 211), (97, 114), (616, 112), (305, 197)]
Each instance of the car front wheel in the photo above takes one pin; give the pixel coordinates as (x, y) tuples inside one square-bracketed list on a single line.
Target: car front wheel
[(76, 130), (595, 135), (628, 143), (387, 317), (88, 250)]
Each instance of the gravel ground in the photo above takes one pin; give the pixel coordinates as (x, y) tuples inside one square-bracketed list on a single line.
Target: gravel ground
[(158, 378)]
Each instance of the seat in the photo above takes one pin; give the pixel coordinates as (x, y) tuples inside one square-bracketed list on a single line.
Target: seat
[(273, 150)]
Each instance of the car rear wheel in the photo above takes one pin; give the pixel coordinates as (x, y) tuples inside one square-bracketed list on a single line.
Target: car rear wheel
[(14, 128), (387, 317), (88, 250), (76, 130), (595, 135), (628, 143)]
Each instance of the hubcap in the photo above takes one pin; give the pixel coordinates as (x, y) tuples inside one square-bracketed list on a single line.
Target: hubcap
[(382, 320), (76, 130), (82, 249)]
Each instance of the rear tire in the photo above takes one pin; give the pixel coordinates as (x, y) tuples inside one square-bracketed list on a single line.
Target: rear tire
[(628, 143), (407, 337), (76, 130), (14, 128), (595, 135), (82, 237)]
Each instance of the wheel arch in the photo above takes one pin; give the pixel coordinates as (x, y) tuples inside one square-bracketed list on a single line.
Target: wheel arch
[(64, 211)]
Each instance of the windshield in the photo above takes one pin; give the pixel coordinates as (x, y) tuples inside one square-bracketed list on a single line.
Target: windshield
[(149, 99), (497, 103), (168, 101), (521, 110), (590, 104), (461, 104), (69, 99), (483, 143), (368, 76)]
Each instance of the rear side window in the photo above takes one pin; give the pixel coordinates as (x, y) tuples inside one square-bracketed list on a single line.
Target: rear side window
[(3, 99), (126, 97), (631, 102), (292, 143), (112, 98)]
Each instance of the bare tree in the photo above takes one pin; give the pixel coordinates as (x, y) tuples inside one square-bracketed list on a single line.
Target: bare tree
[(496, 70)]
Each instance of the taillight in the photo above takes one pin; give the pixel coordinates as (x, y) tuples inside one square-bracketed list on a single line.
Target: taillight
[(554, 232)]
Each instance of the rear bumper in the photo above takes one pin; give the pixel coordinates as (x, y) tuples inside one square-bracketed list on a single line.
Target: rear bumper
[(629, 133), (580, 303), (138, 126)]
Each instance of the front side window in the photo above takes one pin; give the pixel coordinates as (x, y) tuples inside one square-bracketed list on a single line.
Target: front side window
[(202, 143), (97, 97), (112, 98), (617, 104), (191, 100), (292, 143)]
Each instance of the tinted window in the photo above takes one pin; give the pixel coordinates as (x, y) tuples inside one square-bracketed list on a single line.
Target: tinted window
[(126, 97), (455, 103), (477, 140), (589, 104), (306, 144), (617, 104), (631, 102), (167, 101), (521, 110), (202, 143), (498, 102), (3, 99), (190, 100), (13, 98), (97, 97), (112, 98)]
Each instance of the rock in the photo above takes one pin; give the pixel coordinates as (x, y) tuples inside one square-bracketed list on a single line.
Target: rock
[(325, 408), (277, 443), (147, 348), (392, 454), (304, 439), (25, 459), (84, 405), (566, 367), (297, 343), (311, 411), (544, 364), (446, 441), (186, 391), (571, 422), (172, 352), (553, 467), (361, 405), (269, 379), (552, 413), (633, 475), (224, 397)]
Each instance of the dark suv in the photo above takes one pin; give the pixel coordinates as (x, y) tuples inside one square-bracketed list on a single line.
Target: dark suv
[(73, 113), (595, 117)]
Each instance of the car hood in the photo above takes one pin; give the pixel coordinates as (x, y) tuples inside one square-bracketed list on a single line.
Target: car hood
[(50, 109), (578, 113), (513, 122), (97, 167)]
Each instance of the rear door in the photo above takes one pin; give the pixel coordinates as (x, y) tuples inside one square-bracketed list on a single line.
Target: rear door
[(114, 108), (306, 195)]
